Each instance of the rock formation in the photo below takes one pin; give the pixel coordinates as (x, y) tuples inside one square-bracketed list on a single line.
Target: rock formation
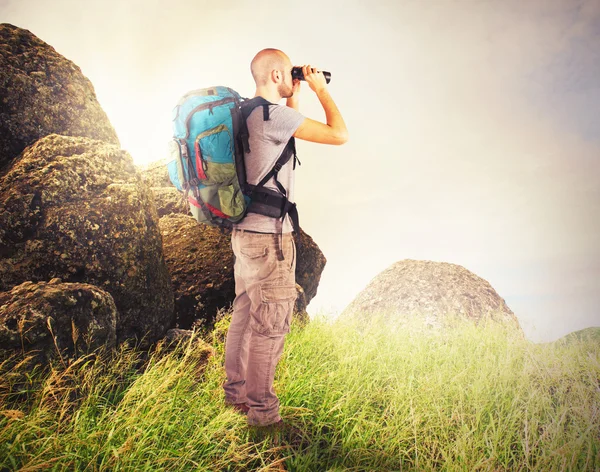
[(156, 174), (76, 209), (196, 264), (200, 262), (43, 93), (434, 291), (309, 265), (169, 201), (47, 317)]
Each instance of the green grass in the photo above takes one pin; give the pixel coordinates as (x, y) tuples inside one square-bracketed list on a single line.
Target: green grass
[(360, 398)]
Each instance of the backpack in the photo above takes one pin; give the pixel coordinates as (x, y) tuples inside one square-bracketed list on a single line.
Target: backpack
[(210, 138)]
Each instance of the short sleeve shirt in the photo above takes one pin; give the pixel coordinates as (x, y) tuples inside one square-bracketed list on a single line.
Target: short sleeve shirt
[(267, 140)]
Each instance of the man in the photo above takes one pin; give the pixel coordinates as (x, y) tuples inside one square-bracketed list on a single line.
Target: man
[(265, 254)]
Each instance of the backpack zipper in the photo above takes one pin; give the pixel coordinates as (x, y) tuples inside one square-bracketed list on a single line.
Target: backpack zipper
[(203, 106)]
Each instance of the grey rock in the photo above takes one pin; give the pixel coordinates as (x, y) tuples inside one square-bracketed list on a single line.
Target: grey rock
[(436, 292), (170, 201), (50, 317), (176, 335), (76, 209), (156, 174), (310, 263), (43, 93), (200, 261)]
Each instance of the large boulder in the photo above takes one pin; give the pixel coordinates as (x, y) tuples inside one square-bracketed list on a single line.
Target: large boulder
[(434, 291), (309, 266), (200, 260), (169, 201), (156, 174), (76, 209), (42, 93), (46, 317)]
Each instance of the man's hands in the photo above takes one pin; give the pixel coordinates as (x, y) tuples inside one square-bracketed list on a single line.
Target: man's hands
[(334, 131), (293, 101), (315, 79), (296, 87)]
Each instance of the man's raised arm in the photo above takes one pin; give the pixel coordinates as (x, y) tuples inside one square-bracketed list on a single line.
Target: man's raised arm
[(335, 131)]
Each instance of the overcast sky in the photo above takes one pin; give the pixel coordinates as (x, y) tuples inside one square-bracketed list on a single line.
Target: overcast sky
[(474, 127)]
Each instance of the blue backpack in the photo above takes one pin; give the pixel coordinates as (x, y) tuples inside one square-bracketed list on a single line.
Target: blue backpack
[(210, 138)]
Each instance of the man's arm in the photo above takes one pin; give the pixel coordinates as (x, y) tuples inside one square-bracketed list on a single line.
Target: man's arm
[(335, 131)]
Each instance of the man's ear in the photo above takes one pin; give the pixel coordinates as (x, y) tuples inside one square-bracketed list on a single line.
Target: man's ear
[(275, 75)]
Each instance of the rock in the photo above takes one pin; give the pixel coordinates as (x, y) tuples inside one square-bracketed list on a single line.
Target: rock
[(69, 316), (300, 313), (589, 336), (169, 201), (175, 335), (156, 174), (309, 265), (435, 291), (43, 93), (200, 260), (76, 209)]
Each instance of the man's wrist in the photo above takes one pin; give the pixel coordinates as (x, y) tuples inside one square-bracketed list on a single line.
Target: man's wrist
[(322, 91)]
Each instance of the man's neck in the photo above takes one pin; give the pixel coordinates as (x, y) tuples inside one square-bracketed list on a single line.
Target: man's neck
[(269, 95)]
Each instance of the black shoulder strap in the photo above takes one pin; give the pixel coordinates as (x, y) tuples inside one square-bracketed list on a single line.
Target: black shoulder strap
[(286, 155), (250, 104), (247, 106)]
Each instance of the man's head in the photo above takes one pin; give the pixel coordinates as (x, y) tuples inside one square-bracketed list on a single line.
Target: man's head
[(272, 69)]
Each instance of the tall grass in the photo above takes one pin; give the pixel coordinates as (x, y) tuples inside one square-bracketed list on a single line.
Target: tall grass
[(357, 398)]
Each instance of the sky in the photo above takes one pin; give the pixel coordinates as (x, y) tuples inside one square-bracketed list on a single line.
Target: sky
[(474, 127)]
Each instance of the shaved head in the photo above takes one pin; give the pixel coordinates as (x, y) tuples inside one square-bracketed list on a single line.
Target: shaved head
[(265, 62)]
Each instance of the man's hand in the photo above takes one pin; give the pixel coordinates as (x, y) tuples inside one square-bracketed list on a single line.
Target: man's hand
[(296, 87), (315, 78), (293, 101)]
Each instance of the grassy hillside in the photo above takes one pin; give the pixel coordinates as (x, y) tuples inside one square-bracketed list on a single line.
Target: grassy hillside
[(472, 398)]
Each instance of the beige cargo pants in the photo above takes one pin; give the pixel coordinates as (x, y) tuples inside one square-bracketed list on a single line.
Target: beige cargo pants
[(265, 292)]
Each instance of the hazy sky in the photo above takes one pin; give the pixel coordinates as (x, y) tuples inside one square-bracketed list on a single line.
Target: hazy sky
[(474, 127)]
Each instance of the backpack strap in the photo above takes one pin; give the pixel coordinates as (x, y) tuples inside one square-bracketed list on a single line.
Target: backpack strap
[(247, 107), (258, 193), (290, 149), (286, 155)]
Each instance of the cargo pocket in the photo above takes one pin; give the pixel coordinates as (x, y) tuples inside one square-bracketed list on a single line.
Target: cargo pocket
[(254, 252), (274, 314)]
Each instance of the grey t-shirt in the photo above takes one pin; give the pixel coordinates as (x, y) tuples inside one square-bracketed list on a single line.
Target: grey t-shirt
[(267, 141)]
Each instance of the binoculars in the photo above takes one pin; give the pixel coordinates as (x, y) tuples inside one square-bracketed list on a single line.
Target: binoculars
[(298, 74)]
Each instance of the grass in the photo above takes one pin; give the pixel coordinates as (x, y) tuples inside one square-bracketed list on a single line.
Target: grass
[(360, 398)]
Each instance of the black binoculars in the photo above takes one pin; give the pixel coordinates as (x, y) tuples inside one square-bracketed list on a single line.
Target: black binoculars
[(298, 74)]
